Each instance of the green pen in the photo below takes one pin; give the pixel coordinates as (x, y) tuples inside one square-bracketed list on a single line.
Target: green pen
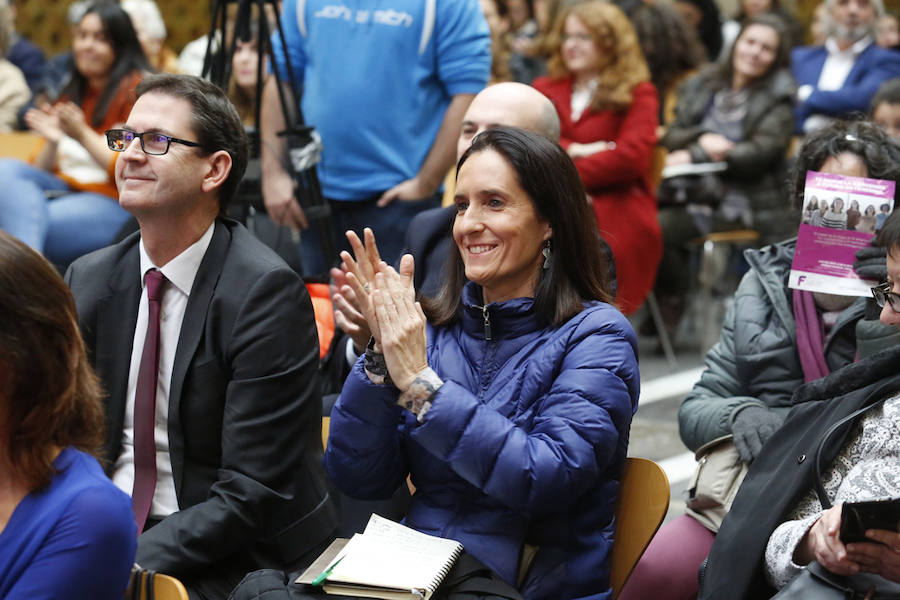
[(321, 577)]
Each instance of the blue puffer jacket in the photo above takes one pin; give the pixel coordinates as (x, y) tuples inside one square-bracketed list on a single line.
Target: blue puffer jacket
[(525, 441)]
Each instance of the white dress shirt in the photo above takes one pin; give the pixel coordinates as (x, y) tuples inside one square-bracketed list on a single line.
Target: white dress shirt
[(180, 273)]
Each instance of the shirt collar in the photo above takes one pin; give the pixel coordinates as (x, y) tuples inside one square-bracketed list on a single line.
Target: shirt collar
[(182, 269), (856, 49)]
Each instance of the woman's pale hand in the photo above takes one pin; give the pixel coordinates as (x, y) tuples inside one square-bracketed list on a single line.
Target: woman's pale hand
[(882, 558), (72, 120), (359, 270), (678, 157), (45, 123), (401, 321), (347, 313), (576, 150), (822, 543), (715, 145)]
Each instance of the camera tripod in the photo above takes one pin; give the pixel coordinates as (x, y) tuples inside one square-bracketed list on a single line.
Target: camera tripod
[(302, 142)]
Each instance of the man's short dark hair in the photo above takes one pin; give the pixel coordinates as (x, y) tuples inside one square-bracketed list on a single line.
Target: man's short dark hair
[(214, 119)]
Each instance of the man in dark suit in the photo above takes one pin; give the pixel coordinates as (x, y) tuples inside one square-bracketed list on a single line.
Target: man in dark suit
[(206, 343), (840, 77)]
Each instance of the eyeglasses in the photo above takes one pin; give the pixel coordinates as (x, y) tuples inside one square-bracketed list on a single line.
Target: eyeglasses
[(151, 142), (883, 294), (577, 37)]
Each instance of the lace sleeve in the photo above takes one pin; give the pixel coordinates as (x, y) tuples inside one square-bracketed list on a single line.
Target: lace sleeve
[(780, 565)]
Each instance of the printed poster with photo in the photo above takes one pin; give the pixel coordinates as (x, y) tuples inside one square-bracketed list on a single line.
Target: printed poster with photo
[(841, 214)]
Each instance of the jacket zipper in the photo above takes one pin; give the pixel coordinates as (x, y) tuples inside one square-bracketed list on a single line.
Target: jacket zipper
[(487, 323)]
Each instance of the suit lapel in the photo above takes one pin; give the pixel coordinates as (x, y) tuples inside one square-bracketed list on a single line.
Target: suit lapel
[(116, 320), (192, 329)]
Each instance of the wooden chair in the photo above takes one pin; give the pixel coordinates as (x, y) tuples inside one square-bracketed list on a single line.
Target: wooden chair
[(326, 425), (165, 587), (643, 502), (18, 144)]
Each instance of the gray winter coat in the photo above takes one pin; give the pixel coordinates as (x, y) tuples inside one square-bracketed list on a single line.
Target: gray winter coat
[(756, 360), (756, 165)]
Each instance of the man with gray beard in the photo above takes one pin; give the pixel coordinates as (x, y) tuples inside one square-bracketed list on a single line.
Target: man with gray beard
[(840, 77)]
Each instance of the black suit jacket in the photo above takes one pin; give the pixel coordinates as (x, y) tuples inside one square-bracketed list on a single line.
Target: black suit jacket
[(244, 410)]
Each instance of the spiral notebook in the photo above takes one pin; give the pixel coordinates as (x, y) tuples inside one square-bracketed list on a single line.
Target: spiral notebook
[(388, 561)]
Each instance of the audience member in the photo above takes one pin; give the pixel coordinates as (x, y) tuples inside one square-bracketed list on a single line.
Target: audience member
[(600, 86), (841, 76), (22, 52), (74, 164), (775, 530), (65, 530), (428, 237), (672, 51), (14, 92), (524, 444), (242, 87), (818, 25), (704, 16), (752, 8), (526, 61), (214, 417), (885, 110), (383, 159), (738, 111), (887, 31), (773, 339), (497, 16), (151, 31)]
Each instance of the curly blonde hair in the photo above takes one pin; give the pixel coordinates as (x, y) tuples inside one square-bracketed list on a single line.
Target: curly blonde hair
[(613, 35)]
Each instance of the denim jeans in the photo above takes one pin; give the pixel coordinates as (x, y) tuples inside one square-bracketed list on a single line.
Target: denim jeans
[(388, 223), (63, 227)]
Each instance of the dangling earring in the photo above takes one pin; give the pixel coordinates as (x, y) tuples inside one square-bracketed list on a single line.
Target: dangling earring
[(548, 255)]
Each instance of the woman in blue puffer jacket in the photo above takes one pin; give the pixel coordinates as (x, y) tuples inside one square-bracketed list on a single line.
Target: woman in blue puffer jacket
[(510, 405)]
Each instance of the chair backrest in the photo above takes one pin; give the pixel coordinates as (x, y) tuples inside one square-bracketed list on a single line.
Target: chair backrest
[(643, 502), (165, 587), (326, 426)]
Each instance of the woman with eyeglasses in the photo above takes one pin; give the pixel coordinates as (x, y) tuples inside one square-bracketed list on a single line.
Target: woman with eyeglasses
[(773, 340), (64, 203), (608, 111), (849, 423)]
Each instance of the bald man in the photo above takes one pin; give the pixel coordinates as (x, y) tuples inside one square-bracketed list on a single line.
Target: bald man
[(500, 105)]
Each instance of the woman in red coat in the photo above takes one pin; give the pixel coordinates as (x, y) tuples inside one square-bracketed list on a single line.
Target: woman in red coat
[(607, 107)]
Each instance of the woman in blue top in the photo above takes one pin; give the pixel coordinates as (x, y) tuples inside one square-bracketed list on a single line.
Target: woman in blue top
[(508, 398), (65, 530)]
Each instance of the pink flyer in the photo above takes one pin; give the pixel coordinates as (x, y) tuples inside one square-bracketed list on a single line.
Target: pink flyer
[(841, 214)]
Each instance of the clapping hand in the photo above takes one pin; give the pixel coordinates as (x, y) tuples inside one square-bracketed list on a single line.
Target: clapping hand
[(72, 120), (44, 121), (401, 322), (354, 298)]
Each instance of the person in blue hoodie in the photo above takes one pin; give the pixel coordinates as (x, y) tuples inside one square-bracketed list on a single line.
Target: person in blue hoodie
[(508, 397), (386, 84)]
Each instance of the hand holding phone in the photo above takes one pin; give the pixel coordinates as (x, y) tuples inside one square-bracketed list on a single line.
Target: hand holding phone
[(857, 517)]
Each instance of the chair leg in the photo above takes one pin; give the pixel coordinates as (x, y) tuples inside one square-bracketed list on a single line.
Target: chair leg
[(664, 340)]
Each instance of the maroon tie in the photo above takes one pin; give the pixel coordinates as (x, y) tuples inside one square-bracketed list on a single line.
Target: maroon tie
[(145, 404)]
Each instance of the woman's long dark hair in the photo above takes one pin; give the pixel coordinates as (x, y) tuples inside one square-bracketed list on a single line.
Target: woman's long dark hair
[(51, 396), (579, 268), (129, 57)]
